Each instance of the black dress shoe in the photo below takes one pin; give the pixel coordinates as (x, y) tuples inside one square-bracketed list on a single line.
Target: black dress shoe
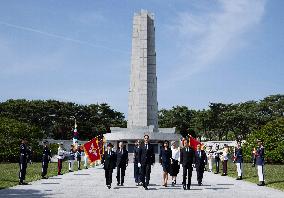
[(121, 184), (146, 188), (118, 183), (188, 187), (199, 184), (44, 177), (261, 184), (184, 187), (173, 183), (23, 183), (108, 186)]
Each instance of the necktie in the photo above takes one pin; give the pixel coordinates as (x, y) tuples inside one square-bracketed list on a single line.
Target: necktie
[(121, 151)]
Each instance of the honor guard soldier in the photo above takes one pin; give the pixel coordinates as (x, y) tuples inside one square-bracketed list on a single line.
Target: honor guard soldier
[(46, 157), (238, 159), (217, 159), (24, 156), (186, 159), (60, 157), (260, 162), (109, 162), (78, 156), (71, 158)]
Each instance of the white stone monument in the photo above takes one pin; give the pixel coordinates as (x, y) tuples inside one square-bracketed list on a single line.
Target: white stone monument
[(142, 101)]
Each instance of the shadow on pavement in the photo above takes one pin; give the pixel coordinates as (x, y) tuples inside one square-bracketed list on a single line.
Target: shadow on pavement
[(217, 188), (22, 193), (124, 187), (225, 184)]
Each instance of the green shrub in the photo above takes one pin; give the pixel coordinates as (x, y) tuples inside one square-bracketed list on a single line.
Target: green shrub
[(11, 132), (272, 135)]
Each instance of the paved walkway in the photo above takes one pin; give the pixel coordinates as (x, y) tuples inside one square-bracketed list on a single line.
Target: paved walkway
[(91, 183)]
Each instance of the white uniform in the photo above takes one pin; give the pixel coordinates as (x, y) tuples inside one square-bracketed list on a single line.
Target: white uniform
[(210, 158)]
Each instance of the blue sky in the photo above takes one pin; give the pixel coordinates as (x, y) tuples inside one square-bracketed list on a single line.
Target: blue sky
[(207, 51)]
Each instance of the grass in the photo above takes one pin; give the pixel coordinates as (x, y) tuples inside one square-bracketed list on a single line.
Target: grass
[(273, 174), (9, 172)]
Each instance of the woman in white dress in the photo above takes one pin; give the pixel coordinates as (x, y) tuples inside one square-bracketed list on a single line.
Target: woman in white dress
[(175, 162)]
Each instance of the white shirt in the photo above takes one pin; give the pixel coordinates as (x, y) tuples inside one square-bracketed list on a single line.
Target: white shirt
[(61, 153), (176, 154)]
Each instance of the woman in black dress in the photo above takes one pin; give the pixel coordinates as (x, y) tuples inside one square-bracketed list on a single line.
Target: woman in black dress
[(165, 160)]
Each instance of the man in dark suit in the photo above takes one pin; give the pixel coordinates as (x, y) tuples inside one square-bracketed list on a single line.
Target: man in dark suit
[(146, 158), (109, 162), (200, 161), (186, 159), (137, 170), (121, 163)]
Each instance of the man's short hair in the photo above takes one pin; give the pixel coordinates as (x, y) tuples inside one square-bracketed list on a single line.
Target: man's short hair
[(146, 135)]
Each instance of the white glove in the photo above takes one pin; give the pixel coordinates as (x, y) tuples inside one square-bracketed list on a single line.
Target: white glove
[(139, 165)]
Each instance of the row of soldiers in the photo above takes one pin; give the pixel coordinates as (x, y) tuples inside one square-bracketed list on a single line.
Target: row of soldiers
[(218, 156), (74, 154)]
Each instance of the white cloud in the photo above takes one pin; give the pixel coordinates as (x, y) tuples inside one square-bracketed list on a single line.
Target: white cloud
[(208, 37)]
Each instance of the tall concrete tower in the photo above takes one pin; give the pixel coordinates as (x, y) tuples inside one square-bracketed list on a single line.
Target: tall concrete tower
[(142, 101)]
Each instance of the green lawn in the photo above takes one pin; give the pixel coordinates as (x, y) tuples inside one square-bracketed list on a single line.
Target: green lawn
[(9, 172), (273, 174)]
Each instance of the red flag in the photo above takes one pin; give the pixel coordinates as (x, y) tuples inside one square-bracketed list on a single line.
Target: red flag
[(193, 142), (92, 150)]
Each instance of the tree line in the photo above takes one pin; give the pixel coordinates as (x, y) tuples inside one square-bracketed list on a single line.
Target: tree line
[(224, 121), (38, 119)]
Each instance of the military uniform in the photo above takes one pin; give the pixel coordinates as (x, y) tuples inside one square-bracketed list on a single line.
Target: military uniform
[(60, 157), (46, 156), (260, 164), (24, 155), (71, 159), (239, 162), (78, 157)]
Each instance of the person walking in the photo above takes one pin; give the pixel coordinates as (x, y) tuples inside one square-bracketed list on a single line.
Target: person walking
[(186, 159), (175, 163), (238, 159), (260, 162), (137, 170), (146, 159), (121, 163), (200, 161), (109, 162), (165, 160), (46, 158)]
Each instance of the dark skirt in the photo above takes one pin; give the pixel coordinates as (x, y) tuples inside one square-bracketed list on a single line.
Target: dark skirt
[(166, 167), (174, 170)]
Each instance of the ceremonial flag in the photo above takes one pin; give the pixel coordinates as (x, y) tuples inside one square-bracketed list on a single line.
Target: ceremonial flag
[(193, 142), (92, 150)]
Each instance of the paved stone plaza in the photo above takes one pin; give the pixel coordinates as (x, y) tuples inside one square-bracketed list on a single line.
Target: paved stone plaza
[(91, 183)]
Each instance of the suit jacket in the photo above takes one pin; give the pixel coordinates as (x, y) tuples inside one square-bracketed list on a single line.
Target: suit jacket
[(200, 160), (187, 157), (136, 154), (121, 157), (109, 160), (146, 156)]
